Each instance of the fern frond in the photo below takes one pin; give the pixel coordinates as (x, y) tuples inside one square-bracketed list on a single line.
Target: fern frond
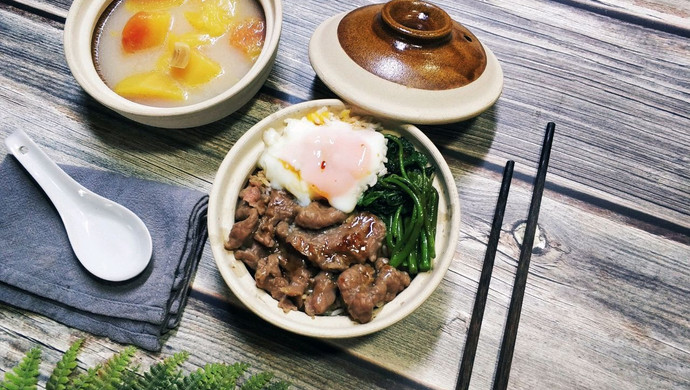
[(162, 376), (111, 373), (257, 381), (24, 376), (116, 374), (215, 376), (130, 380), (64, 368), (263, 380), (86, 381), (279, 385)]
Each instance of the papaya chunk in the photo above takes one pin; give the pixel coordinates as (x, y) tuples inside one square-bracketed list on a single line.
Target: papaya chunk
[(212, 17), (145, 30), (193, 39), (248, 36), (150, 85), (199, 70)]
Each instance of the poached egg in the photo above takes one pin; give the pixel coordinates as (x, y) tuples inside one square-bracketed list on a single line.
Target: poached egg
[(324, 157)]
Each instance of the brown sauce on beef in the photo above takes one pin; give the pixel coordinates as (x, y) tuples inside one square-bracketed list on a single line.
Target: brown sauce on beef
[(314, 258)]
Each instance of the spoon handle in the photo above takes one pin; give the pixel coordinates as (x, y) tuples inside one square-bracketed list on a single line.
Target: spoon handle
[(54, 181)]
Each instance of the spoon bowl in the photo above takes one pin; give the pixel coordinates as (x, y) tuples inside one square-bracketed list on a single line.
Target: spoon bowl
[(109, 240)]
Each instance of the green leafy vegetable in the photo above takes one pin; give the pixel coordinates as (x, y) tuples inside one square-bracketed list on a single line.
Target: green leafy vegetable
[(408, 202)]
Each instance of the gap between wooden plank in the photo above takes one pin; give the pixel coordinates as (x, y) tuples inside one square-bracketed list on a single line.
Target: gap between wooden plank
[(669, 23), (642, 20), (40, 9)]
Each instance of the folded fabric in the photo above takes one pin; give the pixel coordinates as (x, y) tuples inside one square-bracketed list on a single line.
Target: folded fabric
[(40, 273)]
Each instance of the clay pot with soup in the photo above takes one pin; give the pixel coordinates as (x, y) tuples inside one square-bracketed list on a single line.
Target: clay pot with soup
[(173, 63), (177, 52)]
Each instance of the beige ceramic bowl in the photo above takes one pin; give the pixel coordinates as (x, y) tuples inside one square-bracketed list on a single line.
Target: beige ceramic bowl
[(79, 28), (231, 178)]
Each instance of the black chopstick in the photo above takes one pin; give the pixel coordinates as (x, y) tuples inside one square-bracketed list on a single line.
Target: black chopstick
[(484, 280), (505, 357)]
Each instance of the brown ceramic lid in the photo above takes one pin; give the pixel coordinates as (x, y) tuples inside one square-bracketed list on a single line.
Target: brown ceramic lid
[(413, 43), (406, 60)]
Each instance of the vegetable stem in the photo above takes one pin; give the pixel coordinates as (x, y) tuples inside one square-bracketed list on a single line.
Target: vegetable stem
[(406, 199)]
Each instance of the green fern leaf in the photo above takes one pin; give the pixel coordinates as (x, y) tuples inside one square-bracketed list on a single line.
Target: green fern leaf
[(65, 367), (116, 374), (111, 373), (165, 375), (263, 380), (214, 376), (25, 375), (86, 381), (257, 381), (130, 380), (280, 385)]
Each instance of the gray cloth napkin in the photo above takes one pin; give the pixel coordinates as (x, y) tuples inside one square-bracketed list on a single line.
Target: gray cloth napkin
[(40, 273)]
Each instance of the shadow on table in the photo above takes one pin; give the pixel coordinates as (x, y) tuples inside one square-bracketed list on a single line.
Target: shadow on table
[(468, 141), (383, 357), (197, 151), (114, 129)]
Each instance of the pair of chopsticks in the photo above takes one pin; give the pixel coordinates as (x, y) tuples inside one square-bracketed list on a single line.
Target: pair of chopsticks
[(508, 344)]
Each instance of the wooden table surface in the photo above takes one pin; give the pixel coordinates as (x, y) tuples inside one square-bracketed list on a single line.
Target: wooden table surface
[(607, 302)]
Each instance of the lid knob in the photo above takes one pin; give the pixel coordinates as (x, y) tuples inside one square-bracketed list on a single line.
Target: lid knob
[(417, 19)]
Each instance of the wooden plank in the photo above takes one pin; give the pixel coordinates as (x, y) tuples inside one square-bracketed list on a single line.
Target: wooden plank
[(665, 15), (667, 12)]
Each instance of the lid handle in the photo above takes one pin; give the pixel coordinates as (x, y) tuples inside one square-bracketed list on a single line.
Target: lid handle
[(417, 19)]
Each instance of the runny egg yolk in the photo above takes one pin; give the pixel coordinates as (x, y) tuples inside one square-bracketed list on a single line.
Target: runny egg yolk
[(333, 161), (330, 160)]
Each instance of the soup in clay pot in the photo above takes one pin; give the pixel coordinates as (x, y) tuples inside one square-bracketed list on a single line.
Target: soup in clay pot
[(169, 53)]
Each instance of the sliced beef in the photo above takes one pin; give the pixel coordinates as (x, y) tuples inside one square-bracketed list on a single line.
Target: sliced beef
[(282, 230), (252, 205), (251, 256), (243, 211), (281, 207), (269, 277), (241, 232), (255, 194), (287, 304), (312, 258), (357, 240), (324, 293), (364, 288), (360, 294), (297, 273), (391, 280), (318, 216)]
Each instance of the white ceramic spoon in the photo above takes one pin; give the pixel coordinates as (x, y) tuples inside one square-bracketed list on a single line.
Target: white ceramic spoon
[(109, 240)]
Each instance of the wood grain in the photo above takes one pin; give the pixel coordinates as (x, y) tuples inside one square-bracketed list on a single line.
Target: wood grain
[(574, 68), (606, 298)]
